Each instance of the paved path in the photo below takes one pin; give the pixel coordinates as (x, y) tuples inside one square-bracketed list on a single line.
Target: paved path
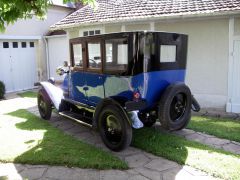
[(212, 141), (142, 165)]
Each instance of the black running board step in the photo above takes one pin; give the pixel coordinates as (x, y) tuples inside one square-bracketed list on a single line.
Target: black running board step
[(77, 117)]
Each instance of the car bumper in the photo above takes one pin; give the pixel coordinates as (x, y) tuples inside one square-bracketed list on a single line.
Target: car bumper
[(135, 105)]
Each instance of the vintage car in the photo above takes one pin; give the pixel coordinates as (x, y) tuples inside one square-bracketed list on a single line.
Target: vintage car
[(114, 80)]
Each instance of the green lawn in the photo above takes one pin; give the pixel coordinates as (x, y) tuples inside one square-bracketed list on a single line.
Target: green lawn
[(25, 138), (215, 162), (29, 94), (222, 128)]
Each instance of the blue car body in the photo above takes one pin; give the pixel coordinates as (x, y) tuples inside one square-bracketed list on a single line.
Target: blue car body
[(91, 88), (145, 75), (122, 80)]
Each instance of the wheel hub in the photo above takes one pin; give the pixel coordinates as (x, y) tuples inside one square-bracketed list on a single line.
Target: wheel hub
[(178, 106)]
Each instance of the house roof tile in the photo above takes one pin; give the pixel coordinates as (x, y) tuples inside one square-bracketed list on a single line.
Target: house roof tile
[(126, 10)]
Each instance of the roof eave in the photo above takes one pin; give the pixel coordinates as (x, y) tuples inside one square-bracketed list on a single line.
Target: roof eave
[(167, 17)]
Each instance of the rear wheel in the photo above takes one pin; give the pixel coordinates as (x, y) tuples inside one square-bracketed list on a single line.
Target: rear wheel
[(175, 107), (44, 105), (114, 127)]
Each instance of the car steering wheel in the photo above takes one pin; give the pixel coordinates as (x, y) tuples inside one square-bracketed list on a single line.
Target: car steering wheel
[(94, 63)]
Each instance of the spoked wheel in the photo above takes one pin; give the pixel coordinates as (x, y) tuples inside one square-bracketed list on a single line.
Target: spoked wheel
[(114, 128), (44, 105), (178, 106), (174, 110)]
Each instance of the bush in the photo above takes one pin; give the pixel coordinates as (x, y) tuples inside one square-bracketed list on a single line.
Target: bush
[(2, 90)]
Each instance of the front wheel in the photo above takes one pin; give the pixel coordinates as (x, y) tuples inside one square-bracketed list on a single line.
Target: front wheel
[(174, 111), (114, 127), (44, 105)]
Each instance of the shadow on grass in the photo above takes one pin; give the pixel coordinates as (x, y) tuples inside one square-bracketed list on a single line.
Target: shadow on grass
[(57, 148), (215, 162)]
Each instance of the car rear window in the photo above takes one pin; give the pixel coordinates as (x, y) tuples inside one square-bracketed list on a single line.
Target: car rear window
[(116, 54)]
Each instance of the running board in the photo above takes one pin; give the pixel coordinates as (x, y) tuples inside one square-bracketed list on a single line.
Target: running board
[(76, 117)]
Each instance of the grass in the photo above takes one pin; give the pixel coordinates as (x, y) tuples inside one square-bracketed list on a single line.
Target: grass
[(28, 94), (25, 138), (215, 162), (222, 128)]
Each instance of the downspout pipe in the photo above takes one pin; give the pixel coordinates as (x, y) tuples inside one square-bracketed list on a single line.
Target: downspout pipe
[(47, 56)]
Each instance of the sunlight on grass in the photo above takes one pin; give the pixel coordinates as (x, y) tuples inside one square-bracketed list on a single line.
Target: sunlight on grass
[(25, 138), (213, 161), (219, 127), (28, 94)]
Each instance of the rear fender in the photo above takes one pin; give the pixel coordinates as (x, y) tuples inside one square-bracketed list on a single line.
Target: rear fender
[(102, 104), (55, 94)]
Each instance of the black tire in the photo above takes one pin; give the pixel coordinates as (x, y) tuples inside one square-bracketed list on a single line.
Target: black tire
[(174, 111), (114, 127), (44, 105), (148, 121)]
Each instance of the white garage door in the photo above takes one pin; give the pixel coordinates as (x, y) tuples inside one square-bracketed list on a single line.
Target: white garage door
[(58, 53), (17, 64)]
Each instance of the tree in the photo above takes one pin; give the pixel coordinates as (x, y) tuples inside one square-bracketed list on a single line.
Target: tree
[(12, 10)]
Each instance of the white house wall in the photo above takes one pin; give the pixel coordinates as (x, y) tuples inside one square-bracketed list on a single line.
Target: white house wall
[(112, 28), (207, 65), (139, 27), (36, 27), (73, 33)]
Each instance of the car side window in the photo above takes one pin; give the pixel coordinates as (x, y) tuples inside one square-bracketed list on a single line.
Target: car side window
[(94, 55), (116, 55), (77, 55), (168, 53)]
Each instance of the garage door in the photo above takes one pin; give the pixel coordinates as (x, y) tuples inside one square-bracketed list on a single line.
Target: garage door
[(17, 64), (56, 45)]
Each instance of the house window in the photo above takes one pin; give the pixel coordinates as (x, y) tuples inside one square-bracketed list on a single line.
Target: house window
[(5, 45), (97, 32), (116, 55), (24, 44), (31, 44), (85, 33), (94, 55), (77, 55), (168, 53), (91, 33)]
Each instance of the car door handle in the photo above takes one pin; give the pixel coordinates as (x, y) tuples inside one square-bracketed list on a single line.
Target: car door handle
[(85, 88)]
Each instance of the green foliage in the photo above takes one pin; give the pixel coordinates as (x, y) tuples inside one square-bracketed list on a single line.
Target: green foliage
[(2, 90), (12, 10), (28, 94)]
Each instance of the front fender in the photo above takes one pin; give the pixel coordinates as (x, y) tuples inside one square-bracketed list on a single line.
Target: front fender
[(55, 93)]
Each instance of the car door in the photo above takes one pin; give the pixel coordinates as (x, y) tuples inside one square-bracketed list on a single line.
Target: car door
[(93, 75), (77, 80)]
